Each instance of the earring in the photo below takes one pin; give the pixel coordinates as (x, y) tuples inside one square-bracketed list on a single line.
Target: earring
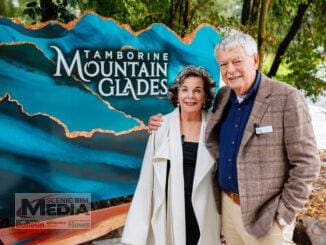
[(178, 104), (203, 106)]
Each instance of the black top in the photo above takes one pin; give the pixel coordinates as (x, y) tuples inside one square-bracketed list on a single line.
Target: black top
[(189, 163)]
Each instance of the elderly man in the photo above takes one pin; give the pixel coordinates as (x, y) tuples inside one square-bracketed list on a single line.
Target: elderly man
[(261, 135)]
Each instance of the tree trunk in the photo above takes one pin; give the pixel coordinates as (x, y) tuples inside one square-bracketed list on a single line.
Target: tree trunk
[(172, 13), (174, 6), (185, 18), (245, 12), (262, 29), (2, 8), (296, 24), (254, 11)]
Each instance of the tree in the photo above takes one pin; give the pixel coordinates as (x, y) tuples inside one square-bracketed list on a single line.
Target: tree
[(298, 44), (254, 11), (296, 24), (305, 56), (288, 32), (262, 29), (245, 12), (293, 34), (183, 14)]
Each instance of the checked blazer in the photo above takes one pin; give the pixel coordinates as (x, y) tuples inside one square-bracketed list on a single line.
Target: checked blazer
[(276, 170)]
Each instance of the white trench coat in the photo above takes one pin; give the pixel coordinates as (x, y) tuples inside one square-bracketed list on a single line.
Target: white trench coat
[(148, 221)]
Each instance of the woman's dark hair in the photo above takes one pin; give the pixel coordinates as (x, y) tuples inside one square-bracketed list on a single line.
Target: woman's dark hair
[(192, 71)]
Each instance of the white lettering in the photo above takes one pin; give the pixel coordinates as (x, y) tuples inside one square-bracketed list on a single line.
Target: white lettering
[(100, 87), (62, 61), (88, 65)]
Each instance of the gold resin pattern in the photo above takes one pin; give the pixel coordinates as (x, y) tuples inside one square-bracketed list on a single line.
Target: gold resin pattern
[(73, 134), (68, 26)]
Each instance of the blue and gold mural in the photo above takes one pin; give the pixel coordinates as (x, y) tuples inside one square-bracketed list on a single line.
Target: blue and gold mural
[(65, 124)]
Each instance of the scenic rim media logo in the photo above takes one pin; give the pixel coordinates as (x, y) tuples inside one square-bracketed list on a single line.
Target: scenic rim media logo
[(52, 210)]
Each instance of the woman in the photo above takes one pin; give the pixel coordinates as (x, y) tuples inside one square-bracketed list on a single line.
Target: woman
[(174, 202)]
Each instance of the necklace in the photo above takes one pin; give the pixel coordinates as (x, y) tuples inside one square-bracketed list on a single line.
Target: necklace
[(191, 130)]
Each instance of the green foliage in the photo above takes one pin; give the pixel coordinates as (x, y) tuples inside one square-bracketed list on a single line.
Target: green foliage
[(305, 57), (221, 14), (32, 10), (303, 64), (138, 14), (44, 10), (141, 14), (7, 8)]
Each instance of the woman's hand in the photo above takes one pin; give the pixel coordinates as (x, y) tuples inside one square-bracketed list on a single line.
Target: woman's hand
[(154, 123)]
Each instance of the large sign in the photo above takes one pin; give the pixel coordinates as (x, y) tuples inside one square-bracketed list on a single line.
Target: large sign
[(74, 101)]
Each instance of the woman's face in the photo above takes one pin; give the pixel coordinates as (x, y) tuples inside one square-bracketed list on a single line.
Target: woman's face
[(191, 95)]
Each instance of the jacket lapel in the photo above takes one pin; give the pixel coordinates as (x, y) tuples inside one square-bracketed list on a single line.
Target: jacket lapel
[(220, 106), (210, 137), (260, 106)]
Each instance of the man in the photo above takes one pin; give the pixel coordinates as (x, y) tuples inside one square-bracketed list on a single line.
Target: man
[(261, 135)]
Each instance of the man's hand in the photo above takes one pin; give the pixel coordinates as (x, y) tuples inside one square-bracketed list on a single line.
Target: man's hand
[(154, 123)]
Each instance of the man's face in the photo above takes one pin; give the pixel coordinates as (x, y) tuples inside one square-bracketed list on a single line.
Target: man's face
[(238, 69)]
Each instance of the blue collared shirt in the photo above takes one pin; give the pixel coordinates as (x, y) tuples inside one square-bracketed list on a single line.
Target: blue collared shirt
[(231, 129)]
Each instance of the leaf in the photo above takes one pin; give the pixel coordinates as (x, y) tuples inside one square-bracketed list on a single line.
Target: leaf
[(72, 3), (29, 12), (32, 15), (31, 4), (26, 11)]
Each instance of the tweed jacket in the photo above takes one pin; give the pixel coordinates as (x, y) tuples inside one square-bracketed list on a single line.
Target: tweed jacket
[(275, 170), (154, 221)]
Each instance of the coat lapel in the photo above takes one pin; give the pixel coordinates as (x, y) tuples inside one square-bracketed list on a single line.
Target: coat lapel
[(161, 155), (162, 151), (203, 184), (177, 181), (204, 161), (260, 106)]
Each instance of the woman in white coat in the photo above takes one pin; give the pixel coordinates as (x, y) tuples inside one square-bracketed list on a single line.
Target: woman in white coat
[(174, 201)]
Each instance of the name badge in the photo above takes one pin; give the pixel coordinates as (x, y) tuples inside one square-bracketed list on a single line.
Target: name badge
[(264, 130)]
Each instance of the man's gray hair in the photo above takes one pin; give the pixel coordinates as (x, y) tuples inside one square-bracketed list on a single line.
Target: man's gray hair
[(234, 38)]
